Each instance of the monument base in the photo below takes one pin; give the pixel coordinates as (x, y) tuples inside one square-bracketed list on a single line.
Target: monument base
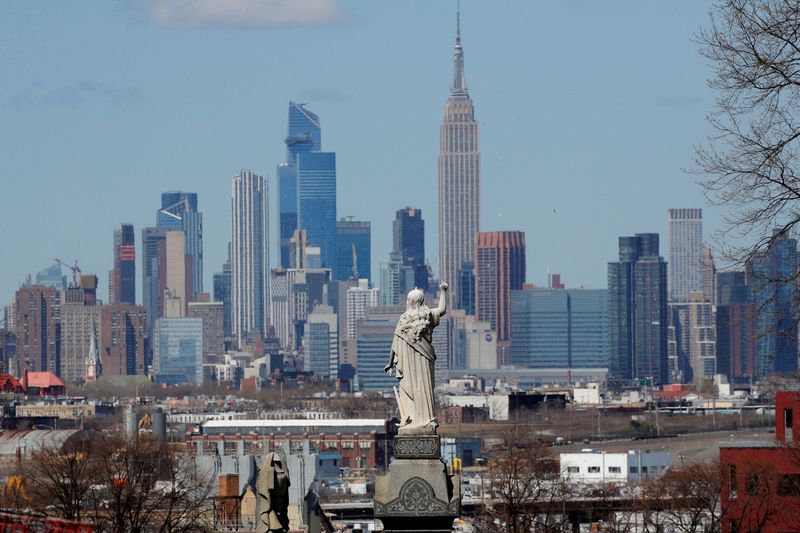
[(417, 494)]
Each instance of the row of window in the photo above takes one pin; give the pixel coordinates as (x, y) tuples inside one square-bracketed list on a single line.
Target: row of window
[(615, 469)]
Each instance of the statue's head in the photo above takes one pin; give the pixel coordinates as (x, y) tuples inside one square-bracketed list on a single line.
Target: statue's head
[(415, 298)]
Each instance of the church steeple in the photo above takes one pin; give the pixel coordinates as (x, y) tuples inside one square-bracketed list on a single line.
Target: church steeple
[(459, 87)]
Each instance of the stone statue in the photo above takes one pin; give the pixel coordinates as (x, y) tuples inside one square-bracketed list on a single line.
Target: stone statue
[(272, 495), (413, 360)]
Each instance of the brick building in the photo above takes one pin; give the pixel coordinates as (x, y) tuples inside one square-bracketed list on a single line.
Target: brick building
[(361, 443), (761, 480)]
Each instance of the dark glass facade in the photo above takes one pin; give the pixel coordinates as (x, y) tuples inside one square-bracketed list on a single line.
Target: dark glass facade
[(353, 241), (773, 276), (316, 201), (637, 311), (408, 243)]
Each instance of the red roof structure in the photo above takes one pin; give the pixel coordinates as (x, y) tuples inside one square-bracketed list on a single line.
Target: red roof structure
[(45, 382), (9, 383)]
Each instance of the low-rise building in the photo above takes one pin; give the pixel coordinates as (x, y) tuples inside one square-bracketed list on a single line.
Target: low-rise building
[(594, 466)]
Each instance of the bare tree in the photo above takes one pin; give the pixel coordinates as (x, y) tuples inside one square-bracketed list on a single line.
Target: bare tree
[(145, 487), (59, 482), (527, 488), (689, 497), (750, 164)]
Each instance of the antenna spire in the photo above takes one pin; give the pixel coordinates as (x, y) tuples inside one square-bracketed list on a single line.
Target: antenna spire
[(459, 87), (458, 22)]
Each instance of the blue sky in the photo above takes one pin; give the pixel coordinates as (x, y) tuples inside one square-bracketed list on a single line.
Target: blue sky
[(588, 113)]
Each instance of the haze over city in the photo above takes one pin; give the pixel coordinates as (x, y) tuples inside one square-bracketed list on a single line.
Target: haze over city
[(587, 114)]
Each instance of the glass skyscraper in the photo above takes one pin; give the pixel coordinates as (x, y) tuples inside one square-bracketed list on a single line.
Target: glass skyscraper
[(637, 311), (408, 242), (316, 201), (178, 351), (318, 182), (179, 212), (353, 250), (773, 276), (559, 328)]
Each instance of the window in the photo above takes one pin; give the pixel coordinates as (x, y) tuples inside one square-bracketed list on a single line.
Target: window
[(789, 485), (634, 470), (614, 470), (732, 482), (573, 469), (644, 470), (752, 484), (594, 469)]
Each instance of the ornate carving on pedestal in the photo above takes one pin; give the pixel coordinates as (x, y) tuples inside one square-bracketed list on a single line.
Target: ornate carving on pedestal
[(417, 447), (416, 498)]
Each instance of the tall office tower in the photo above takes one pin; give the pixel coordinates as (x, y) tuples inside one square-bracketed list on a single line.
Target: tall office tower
[(179, 212), (316, 201), (459, 176), (306, 288), (154, 265), (396, 280), (79, 326), (38, 330), (709, 274), (321, 342), (212, 315), (735, 327), (359, 299), (637, 311), (303, 135), (279, 305), (122, 279), (123, 341), (178, 351), (691, 342), (685, 253), (178, 288), (353, 249), (773, 276), (466, 288), (500, 269), (559, 328), (374, 334), (408, 242), (222, 293), (249, 255)]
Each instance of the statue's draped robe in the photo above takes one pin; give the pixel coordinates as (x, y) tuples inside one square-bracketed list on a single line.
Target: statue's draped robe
[(414, 361)]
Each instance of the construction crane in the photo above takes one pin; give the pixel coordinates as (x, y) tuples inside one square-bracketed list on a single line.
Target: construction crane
[(75, 270)]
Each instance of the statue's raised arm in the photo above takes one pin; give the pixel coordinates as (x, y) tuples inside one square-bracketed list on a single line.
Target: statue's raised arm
[(413, 361)]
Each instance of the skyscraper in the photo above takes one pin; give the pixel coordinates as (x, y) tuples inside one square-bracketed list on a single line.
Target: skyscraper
[(179, 212), (249, 255), (222, 293), (499, 269), (735, 327), (38, 330), (685, 254), (353, 249), (303, 135), (459, 176), (316, 201), (408, 242), (559, 328), (637, 311), (122, 281), (773, 276), (154, 264)]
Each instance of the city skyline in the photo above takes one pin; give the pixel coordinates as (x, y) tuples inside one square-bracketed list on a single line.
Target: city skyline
[(509, 165)]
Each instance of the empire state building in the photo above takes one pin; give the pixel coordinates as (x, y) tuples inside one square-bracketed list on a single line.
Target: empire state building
[(459, 178)]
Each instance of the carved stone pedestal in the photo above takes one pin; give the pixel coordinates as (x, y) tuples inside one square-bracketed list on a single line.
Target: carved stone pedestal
[(417, 494)]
